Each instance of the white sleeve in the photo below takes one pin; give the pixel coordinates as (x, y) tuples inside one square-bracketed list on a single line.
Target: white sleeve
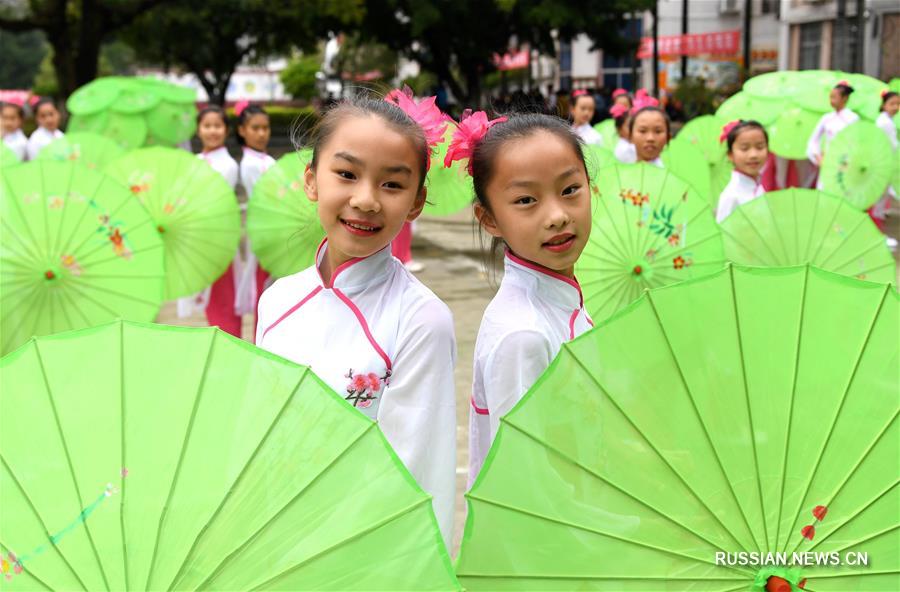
[(231, 173), (250, 174), (517, 361), (814, 145), (725, 207), (418, 408), (35, 145)]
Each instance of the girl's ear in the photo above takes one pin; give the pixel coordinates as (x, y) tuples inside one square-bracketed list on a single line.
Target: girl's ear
[(418, 205), (487, 221), (309, 184)]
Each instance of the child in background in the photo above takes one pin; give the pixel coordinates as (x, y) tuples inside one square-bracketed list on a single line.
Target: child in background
[(357, 317), (890, 104), (748, 149), (649, 131), (624, 150), (253, 133), (621, 97), (533, 196), (47, 117), (11, 117), (830, 124), (582, 112)]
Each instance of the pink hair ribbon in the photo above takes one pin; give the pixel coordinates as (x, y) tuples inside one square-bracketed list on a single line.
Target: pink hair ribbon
[(240, 106), (641, 100), (425, 113), (469, 132), (579, 93), (618, 110), (726, 129), (619, 92)]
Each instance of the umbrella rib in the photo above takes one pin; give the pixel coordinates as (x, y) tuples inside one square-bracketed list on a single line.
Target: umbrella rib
[(777, 230), (822, 238), (37, 515), (32, 302), (859, 356), (700, 419), (7, 550), (238, 480), (850, 518), (62, 214), (62, 438), (762, 239), (356, 535), (113, 257), (620, 286), (880, 533), (240, 548), (860, 220), (649, 443), (122, 446), (77, 308), (104, 242), (34, 256), (184, 444), (85, 285), (740, 344), (629, 577)]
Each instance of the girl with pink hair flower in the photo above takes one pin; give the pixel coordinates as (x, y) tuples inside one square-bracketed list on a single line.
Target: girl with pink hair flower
[(361, 321)]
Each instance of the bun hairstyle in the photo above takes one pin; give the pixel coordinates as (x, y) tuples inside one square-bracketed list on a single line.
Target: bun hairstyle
[(844, 87), (732, 130), (244, 111), (887, 95)]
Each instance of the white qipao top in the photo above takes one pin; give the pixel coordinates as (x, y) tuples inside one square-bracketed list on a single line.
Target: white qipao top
[(625, 151), (589, 134), (740, 189), (18, 143), (40, 138), (828, 127)]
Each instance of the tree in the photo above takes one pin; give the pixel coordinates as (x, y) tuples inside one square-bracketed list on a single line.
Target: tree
[(299, 77), (456, 39), (210, 39), (75, 29), (22, 55)]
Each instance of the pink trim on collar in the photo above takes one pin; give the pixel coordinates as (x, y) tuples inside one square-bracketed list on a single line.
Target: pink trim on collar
[(339, 268), (549, 272), (365, 327), (292, 310), (478, 410), (256, 153)]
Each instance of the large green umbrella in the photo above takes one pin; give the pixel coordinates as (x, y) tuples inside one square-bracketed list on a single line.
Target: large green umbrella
[(193, 209), (746, 106), (649, 229), (703, 132), (857, 165), (750, 411), (775, 85), (75, 250), (283, 225), (609, 133), (144, 457), (597, 158), (128, 130), (797, 226), (814, 93), (450, 190), (92, 150), (688, 163), (8, 157), (790, 132)]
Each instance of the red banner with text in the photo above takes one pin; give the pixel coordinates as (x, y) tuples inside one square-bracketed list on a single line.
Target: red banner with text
[(722, 43)]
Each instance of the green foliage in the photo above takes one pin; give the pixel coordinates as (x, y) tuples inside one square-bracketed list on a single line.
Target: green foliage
[(22, 56), (359, 57), (299, 77), (45, 83), (421, 83), (696, 97)]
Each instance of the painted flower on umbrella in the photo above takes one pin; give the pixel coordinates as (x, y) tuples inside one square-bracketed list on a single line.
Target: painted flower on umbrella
[(680, 262), (469, 132), (635, 197)]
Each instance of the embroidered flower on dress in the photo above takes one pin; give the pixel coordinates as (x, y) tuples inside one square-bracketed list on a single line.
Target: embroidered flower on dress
[(363, 389)]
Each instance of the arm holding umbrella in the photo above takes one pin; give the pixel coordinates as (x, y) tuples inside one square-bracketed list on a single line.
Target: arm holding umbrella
[(814, 145)]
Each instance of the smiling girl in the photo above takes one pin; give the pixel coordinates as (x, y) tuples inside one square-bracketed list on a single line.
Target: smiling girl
[(747, 148)]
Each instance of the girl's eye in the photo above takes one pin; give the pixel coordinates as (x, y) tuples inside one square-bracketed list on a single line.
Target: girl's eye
[(346, 175), (393, 185), (571, 189), (525, 200)]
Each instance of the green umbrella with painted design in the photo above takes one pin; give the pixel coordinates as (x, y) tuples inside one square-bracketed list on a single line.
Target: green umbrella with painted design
[(450, 190), (857, 165), (689, 164), (75, 250), (193, 208), (746, 412), (650, 229), (282, 224), (92, 150), (597, 158), (790, 132), (146, 457), (797, 226)]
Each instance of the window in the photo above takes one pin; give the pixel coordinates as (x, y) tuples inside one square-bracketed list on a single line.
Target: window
[(810, 46), (768, 6), (843, 45)]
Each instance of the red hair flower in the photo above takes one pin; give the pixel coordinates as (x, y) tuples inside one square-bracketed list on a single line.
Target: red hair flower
[(240, 106), (469, 131), (618, 110), (641, 100), (425, 113), (726, 129)]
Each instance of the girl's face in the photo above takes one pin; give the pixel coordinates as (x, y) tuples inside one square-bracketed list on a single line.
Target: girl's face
[(256, 131), (366, 183), (540, 201), (583, 110), (212, 131), (749, 151), (649, 135), (623, 100), (838, 101), (47, 117), (891, 106), (10, 119)]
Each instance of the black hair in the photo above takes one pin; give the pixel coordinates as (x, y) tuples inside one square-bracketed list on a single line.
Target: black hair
[(887, 97), (744, 124), (575, 98), (652, 109), (43, 101), (362, 106), (621, 120), (17, 107), (248, 112), (517, 126), (212, 109), (845, 89)]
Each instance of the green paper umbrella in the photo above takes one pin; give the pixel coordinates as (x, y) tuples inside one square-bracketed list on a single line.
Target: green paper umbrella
[(450, 190), (703, 132), (87, 148), (688, 163), (774, 85), (649, 229), (597, 158), (283, 225), (193, 209), (134, 97), (789, 133), (171, 123), (144, 457), (607, 130), (91, 123), (857, 165), (8, 157), (746, 106), (797, 226), (750, 411), (894, 85), (75, 250), (94, 97), (815, 89)]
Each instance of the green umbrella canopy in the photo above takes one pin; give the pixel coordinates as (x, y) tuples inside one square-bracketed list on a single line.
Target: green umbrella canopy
[(597, 158), (790, 132), (746, 106), (797, 226), (450, 190), (145, 457), (734, 413), (775, 85), (90, 149), (283, 225), (607, 130), (649, 229), (75, 250), (703, 132), (8, 157), (857, 165), (193, 209), (688, 163)]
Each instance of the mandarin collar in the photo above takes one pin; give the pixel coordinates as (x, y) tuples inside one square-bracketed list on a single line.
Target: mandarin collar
[(358, 273), (545, 284), (744, 181)]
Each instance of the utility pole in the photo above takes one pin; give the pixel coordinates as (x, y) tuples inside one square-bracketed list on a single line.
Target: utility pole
[(656, 48), (684, 32), (860, 36), (748, 34)]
